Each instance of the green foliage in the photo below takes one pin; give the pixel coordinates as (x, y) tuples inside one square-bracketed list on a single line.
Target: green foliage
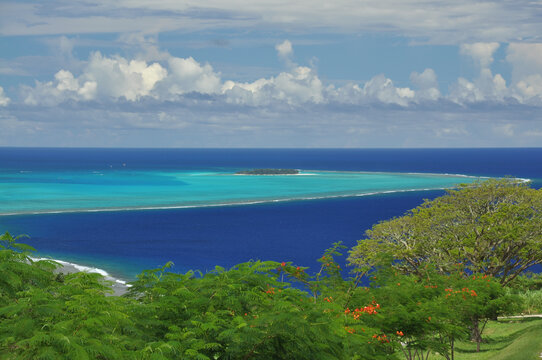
[(528, 287), (492, 227), (16, 275), (429, 312), (531, 301), (527, 281), (46, 316), (245, 312), (250, 311), (241, 313)]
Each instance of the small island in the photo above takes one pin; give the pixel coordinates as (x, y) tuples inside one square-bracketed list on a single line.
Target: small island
[(268, 172)]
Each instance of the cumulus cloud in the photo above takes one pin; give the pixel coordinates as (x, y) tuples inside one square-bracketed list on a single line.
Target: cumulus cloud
[(117, 77), (4, 100), (187, 75), (526, 61), (481, 53), (103, 77), (426, 85), (284, 49), (298, 86), (378, 90), (485, 87), (113, 78), (382, 89), (120, 78), (526, 58)]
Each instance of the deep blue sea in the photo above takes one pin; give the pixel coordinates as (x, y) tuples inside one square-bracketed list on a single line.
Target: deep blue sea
[(126, 242)]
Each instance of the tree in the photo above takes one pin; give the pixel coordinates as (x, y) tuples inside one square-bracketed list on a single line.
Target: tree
[(492, 228)]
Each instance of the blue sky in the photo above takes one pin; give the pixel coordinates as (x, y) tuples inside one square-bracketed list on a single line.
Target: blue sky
[(209, 73)]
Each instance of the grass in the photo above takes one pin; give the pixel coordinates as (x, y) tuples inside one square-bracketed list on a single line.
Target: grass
[(507, 339), (532, 301)]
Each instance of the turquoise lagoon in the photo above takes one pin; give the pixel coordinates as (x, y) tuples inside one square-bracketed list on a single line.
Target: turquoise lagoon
[(32, 192)]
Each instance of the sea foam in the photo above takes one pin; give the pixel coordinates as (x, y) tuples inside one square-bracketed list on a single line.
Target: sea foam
[(69, 267)]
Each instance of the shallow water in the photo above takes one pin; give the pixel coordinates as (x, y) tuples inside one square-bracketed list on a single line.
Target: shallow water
[(31, 192)]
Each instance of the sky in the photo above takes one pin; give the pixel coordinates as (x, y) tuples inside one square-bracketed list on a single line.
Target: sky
[(271, 73)]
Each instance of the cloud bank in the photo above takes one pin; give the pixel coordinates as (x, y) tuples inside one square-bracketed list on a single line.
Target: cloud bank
[(133, 101), (435, 21), (171, 79)]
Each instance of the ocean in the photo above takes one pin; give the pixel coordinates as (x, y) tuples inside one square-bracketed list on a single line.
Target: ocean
[(199, 237)]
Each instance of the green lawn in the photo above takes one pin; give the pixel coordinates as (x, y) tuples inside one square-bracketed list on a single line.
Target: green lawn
[(507, 339)]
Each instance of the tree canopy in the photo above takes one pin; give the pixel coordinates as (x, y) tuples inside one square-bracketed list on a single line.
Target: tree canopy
[(250, 311), (492, 227)]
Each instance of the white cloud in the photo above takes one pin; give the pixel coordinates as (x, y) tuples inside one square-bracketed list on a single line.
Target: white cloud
[(187, 75), (103, 77), (298, 86), (117, 77), (379, 89), (481, 53), (485, 87), (382, 89), (172, 78), (526, 58), (426, 84), (284, 49), (526, 61), (530, 87), (4, 100)]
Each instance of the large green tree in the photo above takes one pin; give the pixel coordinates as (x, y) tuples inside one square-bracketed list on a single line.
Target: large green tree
[(492, 227)]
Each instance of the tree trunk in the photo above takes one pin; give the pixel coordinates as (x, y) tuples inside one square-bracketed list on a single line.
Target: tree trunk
[(475, 334)]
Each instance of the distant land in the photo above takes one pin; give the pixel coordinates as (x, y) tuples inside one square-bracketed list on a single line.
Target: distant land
[(268, 172)]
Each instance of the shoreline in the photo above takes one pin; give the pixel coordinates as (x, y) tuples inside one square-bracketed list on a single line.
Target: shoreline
[(118, 286)]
